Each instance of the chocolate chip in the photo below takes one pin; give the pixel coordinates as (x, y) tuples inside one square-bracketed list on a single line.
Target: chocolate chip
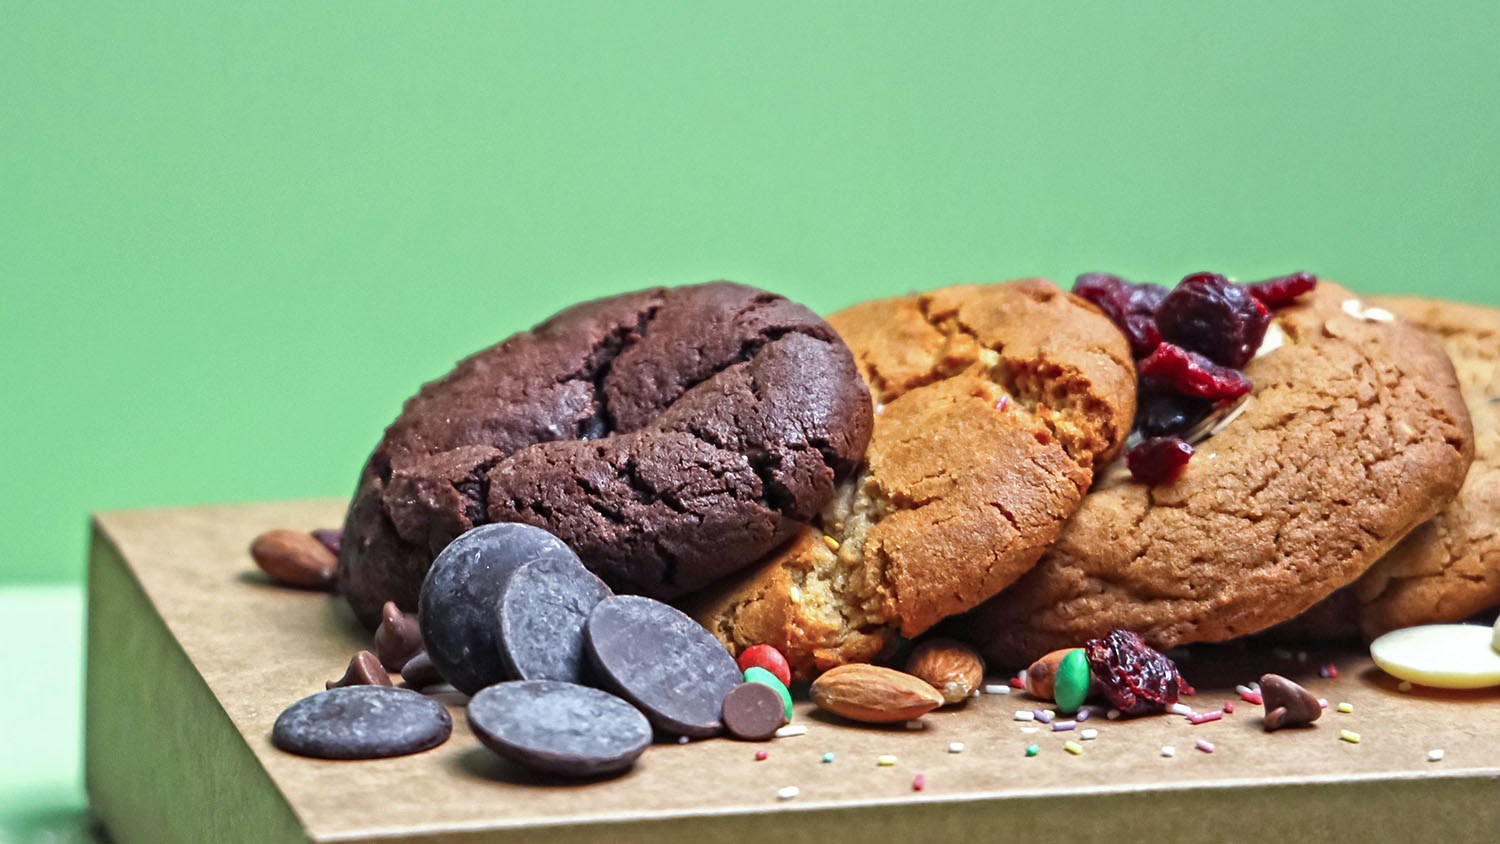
[(662, 661), (1287, 704), (398, 638), (560, 728), (330, 537), (419, 672), (456, 608), (361, 722), (543, 607), (753, 711), (364, 670)]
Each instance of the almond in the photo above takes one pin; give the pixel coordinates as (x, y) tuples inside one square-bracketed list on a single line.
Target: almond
[(953, 668), (873, 694), (294, 558)]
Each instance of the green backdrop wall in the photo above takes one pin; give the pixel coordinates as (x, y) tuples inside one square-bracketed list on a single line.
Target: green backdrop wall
[(233, 237)]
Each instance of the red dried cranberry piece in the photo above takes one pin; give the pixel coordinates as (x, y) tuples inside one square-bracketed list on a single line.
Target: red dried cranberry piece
[(1158, 460), (1163, 414), (1282, 290), (1191, 374), (1131, 307), (1213, 316), (1136, 678)]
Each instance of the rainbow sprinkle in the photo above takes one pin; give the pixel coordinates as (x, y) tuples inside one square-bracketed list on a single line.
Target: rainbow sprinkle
[(1032, 750), (918, 782), (1205, 717), (885, 761), (1349, 736), (788, 793), (1073, 747), (760, 756), (1205, 746), (828, 757), (1346, 708)]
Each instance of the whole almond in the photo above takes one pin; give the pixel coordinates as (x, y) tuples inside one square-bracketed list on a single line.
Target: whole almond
[(953, 668), (294, 558), (873, 694)]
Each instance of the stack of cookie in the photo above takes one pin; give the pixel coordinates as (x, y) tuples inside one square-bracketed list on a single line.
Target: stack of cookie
[(832, 488)]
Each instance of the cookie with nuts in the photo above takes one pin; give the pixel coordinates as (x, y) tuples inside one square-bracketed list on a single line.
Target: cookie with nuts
[(994, 404)]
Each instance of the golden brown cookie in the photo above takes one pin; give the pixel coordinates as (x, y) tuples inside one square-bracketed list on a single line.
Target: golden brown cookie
[(1355, 432), (1448, 568), (993, 405)]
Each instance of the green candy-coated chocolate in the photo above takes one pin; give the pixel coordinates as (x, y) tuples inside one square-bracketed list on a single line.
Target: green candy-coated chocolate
[(756, 674), (1071, 685)]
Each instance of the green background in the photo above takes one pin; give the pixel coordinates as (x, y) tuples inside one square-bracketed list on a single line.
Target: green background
[(233, 237)]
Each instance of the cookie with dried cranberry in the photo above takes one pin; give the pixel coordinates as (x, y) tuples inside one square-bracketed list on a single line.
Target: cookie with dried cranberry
[(1448, 568), (668, 436), (994, 405), (1355, 433)]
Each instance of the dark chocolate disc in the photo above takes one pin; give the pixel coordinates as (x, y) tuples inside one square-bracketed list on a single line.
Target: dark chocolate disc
[(753, 711), (560, 728), (662, 661), (543, 607), (457, 605), (361, 722)]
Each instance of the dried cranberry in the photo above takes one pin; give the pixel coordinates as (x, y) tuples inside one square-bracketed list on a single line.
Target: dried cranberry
[(1191, 374), (1136, 678), (1131, 307), (1158, 460), (1161, 414), (1282, 290), (1213, 316)]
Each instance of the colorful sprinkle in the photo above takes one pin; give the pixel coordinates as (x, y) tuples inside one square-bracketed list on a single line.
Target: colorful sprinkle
[(1251, 696), (760, 756), (1023, 715), (1205, 746), (885, 761), (1073, 747), (833, 544), (792, 730), (1032, 750), (828, 757), (916, 724), (1204, 718), (788, 793), (1329, 671), (996, 689), (1403, 686), (1435, 755), (1346, 708), (1083, 714), (918, 782), (683, 739), (1017, 682), (1228, 707), (1029, 730), (1043, 715), (1113, 715), (1323, 702), (1349, 736), (1059, 726), (1088, 735), (1168, 751), (1180, 709), (956, 747), (1241, 690)]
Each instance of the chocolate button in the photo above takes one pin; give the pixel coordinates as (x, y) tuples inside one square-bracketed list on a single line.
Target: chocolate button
[(662, 661), (753, 711), (457, 606), (361, 722), (543, 607), (560, 728)]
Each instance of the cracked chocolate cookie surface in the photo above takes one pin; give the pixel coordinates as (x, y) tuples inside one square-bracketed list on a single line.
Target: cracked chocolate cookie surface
[(668, 436), (1355, 433), (993, 404), (1448, 568)]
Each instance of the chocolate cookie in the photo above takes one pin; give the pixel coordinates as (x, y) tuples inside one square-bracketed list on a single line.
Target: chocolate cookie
[(1355, 433), (994, 403), (1448, 568), (669, 436)]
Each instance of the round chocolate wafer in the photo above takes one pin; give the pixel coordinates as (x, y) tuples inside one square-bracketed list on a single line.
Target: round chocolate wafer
[(753, 711), (665, 663), (560, 728), (361, 722), (542, 609), (457, 605)]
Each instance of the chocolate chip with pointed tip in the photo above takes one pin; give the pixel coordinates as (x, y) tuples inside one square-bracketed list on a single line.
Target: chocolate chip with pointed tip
[(1287, 703), (398, 638), (364, 670)]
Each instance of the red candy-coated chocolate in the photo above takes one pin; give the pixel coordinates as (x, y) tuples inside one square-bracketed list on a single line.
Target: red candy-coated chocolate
[(767, 657)]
